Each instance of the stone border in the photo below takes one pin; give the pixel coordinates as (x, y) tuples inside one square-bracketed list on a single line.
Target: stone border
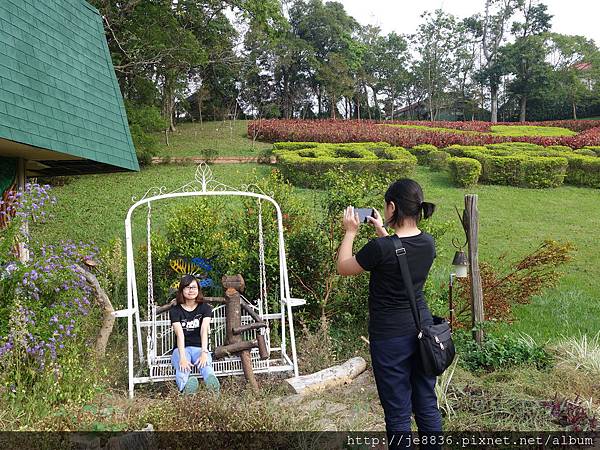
[(218, 160)]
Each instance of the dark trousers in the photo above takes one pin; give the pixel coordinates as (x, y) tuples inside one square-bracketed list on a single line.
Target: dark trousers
[(403, 389)]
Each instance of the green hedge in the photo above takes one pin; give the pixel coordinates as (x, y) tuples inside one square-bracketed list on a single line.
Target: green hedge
[(465, 172), (584, 171), (291, 146), (438, 160), (305, 167), (533, 166), (422, 152), (585, 152), (595, 149)]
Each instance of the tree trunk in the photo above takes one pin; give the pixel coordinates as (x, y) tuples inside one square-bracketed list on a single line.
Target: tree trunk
[(333, 107), (494, 99), (319, 103), (523, 115), (574, 110), (376, 103)]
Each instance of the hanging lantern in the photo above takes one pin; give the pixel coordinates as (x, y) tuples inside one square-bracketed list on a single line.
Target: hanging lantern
[(460, 264)]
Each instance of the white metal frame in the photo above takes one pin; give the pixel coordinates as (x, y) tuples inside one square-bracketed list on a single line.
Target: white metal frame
[(157, 359)]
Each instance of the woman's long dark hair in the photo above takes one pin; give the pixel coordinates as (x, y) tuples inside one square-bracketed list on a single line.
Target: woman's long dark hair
[(407, 196), (186, 280)]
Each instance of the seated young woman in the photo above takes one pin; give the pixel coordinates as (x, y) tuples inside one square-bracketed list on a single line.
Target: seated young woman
[(190, 318)]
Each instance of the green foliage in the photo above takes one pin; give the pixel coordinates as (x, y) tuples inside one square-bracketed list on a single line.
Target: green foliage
[(465, 172), (305, 167), (521, 165), (585, 152), (438, 160), (291, 146), (584, 171), (422, 151), (595, 149), (143, 121), (499, 352)]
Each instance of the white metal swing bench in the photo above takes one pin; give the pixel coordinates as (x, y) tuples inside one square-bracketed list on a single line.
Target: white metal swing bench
[(154, 362)]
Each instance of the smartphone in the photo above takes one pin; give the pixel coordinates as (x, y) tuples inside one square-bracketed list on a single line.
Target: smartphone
[(363, 213)]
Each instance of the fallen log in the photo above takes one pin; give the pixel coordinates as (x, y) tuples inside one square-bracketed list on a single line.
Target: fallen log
[(326, 378)]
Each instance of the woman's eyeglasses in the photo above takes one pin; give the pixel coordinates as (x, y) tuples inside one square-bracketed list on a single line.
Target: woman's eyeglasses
[(190, 288)]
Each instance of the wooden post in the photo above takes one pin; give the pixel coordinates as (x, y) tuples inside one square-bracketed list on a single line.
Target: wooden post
[(233, 319), (23, 251), (471, 216)]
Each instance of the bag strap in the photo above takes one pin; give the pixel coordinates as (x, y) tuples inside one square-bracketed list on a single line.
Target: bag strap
[(405, 271)]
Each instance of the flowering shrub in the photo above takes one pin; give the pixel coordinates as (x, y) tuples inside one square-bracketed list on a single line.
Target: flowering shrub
[(28, 204), (338, 131), (44, 304)]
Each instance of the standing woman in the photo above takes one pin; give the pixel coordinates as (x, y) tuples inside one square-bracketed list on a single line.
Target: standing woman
[(190, 318), (402, 387)]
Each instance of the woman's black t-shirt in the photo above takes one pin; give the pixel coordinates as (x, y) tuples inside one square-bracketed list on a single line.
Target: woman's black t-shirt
[(389, 305), (190, 322)]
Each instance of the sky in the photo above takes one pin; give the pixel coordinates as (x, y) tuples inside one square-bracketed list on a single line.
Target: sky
[(402, 16)]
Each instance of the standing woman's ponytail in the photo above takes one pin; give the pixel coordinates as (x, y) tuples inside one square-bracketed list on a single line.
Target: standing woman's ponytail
[(427, 209)]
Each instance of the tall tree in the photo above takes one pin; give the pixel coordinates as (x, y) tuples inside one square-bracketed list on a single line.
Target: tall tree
[(436, 42), (526, 57), (328, 29), (494, 26)]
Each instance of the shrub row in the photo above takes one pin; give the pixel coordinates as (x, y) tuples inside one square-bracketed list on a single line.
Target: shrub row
[(338, 131), (306, 166), (532, 166)]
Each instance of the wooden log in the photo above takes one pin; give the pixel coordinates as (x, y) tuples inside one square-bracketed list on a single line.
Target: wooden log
[(330, 377), (262, 347), (251, 311), (230, 349), (248, 327), (247, 368), (108, 320), (472, 218)]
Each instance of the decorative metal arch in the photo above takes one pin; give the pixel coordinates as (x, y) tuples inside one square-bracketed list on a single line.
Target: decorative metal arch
[(203, 185)]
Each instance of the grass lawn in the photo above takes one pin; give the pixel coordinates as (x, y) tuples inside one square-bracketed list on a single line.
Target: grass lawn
[(527, 130), (513, 222), (227, 137), (501, 130)]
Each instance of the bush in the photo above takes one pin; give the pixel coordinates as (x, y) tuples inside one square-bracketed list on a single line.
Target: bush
[(438, 160), (543, 172), (48, 322), (306, 167), (513, 285), (465, 171), (523, 165), (460, 150), (499, 352), (518, 146), (584, 171), (595, 149), (585, 152), (422, 152), (291, 146), (144, 120)]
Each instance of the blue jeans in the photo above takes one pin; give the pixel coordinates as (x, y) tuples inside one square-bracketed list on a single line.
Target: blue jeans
[(404, 389), (192, 354)]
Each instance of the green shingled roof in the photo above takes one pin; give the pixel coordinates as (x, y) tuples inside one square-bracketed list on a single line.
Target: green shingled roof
[(58, 89)]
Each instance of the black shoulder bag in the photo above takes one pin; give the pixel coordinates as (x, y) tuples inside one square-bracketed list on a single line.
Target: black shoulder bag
[(436, 348)]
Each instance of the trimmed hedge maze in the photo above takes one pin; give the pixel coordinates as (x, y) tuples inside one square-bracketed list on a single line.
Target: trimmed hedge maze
[(517, 164), (305, 163)]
